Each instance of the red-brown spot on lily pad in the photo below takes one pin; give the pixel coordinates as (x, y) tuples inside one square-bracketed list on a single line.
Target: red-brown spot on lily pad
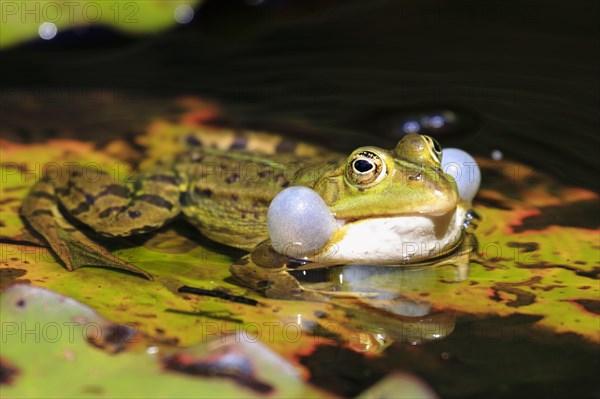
[(8, 372), (11, 275), (112, 338), (226, 364), (524, 246), (531, 281), (523, 298), (590, 305), (594, 273), (583, 214)]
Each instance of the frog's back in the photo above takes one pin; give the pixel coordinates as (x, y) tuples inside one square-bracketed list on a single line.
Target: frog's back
[(228, 192)]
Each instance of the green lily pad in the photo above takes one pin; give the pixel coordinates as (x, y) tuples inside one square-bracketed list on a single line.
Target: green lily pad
[(46, 335), (538, 258)]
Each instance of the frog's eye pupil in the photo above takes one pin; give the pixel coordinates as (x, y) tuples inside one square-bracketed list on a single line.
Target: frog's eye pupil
[(362, 165)]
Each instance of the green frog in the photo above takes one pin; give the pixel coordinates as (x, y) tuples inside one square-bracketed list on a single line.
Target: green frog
[(387, 207)]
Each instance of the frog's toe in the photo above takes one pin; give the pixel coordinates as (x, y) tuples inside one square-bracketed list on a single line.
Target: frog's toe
[(81, 252)]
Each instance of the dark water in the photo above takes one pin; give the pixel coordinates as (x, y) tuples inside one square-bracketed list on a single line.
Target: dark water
[(484, 357), (527, 71), (522, 77)]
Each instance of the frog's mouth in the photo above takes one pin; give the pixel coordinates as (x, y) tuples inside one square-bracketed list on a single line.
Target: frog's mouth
[(302, 226), (396, 239)]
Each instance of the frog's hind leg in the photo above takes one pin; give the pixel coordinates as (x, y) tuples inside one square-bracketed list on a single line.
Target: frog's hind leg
[(102, 203), (72, 247), (119, 209)]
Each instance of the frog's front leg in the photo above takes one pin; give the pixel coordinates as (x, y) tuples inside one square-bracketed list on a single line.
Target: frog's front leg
[(265, 270), (111, 208), (461, 258)]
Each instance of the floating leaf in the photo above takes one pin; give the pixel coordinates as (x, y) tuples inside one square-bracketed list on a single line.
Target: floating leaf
[(538, 260), (46, 335)]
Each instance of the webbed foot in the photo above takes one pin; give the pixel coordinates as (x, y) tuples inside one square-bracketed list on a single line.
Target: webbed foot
[(72, 247)]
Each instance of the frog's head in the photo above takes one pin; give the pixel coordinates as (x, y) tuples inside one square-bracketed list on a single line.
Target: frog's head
[(375, 202), (373, 182)]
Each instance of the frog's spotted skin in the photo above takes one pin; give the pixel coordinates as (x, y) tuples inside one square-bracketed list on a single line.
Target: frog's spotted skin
[(226, 192)]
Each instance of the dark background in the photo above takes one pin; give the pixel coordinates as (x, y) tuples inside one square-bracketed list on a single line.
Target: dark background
[(524, 75)]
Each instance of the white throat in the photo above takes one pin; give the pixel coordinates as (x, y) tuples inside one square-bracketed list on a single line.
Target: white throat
[(400, 240)]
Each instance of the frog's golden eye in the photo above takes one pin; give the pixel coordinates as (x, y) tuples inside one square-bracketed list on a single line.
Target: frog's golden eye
[(365, 168), (434, 148)]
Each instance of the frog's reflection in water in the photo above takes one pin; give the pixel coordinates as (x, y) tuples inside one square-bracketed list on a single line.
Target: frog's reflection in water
[(392, 304)]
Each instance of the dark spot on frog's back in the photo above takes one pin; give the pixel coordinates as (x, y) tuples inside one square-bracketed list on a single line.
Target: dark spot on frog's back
[(232, 178), (203, 192), (115, 189), (156, 200), (108, 211), (134, 214), (286, 146), (261, 202), (164, 179), (193, 141), (81, 208), (63, 191), (239, 143), (43, 194)]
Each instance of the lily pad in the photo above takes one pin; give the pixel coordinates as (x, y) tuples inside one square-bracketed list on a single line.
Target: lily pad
[(537, 259), (46, 335)]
